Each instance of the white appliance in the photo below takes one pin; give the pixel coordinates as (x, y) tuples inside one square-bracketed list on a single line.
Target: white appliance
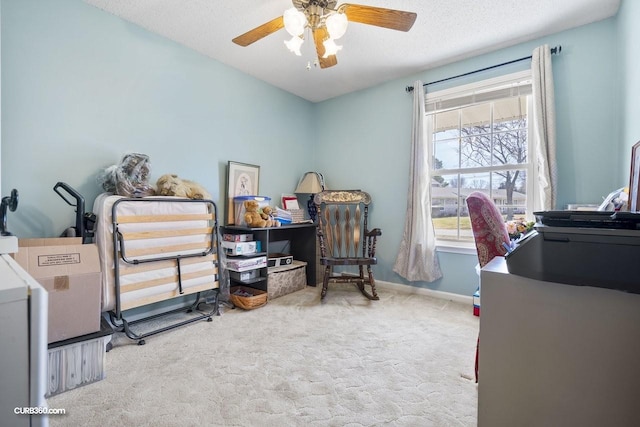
[(555, 354), (23, 343)]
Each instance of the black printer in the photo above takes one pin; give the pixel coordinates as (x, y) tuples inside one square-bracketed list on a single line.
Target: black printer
[(583, 248)]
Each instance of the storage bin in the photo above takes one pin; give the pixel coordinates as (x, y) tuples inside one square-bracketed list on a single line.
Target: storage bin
[(286, 279), (247, 298), (244, 276), (78, 361), (238, 206)]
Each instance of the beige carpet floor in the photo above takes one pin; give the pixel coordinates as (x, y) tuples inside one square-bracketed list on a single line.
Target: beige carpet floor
[(406, 360)]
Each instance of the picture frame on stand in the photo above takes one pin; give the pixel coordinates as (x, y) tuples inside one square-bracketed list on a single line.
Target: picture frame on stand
[(634, 179), (243, 179)]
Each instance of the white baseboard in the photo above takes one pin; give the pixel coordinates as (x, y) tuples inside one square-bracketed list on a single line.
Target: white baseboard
[(463, 299)]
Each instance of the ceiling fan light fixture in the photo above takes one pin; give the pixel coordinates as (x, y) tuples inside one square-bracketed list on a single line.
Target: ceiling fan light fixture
[(294, 21), (294, 44), (336, 25), (326, 22), (330, 48)]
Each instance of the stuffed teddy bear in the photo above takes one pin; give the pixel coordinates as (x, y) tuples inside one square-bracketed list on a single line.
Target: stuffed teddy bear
[(267, 213), (172, 185), (253, 217)]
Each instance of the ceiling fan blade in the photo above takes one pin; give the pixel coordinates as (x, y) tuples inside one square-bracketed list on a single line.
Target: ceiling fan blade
[(320, 35), (259, 32), (378, 16)]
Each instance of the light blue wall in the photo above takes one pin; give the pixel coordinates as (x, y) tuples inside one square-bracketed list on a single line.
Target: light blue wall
[(82, 87), (628, 42), (369, 136)]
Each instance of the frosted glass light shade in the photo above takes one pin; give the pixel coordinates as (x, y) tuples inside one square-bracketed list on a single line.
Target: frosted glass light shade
[(330, 48), (294, 21), (337, 25), (294, 44)]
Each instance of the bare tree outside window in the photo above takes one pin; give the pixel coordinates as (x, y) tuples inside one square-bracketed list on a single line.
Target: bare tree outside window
[(498, 144), (479, 147)]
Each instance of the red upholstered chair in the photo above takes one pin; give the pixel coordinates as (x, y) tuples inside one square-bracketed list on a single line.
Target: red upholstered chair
[(489, 233), (488, 226)]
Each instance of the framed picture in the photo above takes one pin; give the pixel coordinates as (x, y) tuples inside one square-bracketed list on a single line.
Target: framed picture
[(242, 180), (634, 181), (289, 201)]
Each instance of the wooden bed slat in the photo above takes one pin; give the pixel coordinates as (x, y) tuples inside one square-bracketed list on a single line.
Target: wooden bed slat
[(166, 280), (129, 219), (126, 305), (140, 235), (133, 253), (126, 269)]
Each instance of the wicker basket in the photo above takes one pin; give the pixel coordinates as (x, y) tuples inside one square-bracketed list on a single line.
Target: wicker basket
[(257, 299)]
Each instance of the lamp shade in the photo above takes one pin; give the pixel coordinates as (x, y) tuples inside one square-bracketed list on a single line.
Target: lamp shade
[(294, 44), (337, 25), (330, 48), (294, 21), (311, 183)]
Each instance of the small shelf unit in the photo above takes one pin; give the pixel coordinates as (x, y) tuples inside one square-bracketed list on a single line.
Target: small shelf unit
[(297, 240)]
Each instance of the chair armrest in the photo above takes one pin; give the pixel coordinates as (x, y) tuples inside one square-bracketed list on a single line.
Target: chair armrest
[(374, 233), (371, 237)]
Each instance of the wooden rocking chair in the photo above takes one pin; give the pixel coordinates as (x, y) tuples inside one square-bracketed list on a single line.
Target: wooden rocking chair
[(345, 239)]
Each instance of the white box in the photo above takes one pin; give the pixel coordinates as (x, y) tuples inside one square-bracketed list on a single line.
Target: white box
[(239, 248), (244, 264), (237, 237)]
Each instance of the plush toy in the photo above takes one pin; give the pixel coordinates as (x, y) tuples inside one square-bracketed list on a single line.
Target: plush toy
[(172, 185), (267, 213), (252, 215)]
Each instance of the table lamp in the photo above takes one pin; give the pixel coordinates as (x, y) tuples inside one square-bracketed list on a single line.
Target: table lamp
[(311, 183)]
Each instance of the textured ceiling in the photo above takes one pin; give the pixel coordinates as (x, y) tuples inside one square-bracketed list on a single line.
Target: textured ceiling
[(445, 31)]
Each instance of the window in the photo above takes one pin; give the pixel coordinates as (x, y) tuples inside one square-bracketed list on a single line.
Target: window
[(479, 140)]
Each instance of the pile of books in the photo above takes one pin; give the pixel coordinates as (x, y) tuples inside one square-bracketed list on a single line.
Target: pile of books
[(289, 216)]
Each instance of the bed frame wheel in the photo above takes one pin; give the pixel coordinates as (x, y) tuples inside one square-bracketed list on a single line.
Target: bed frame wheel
[(141, 342), (209, 319)]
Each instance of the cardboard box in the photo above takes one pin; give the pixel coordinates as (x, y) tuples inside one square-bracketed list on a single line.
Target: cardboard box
[(70, 272), (239, 248), (244, 264), (237, 237), (476, 303)]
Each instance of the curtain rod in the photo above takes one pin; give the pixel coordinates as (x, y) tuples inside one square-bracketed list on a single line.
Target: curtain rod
[(554, 51)]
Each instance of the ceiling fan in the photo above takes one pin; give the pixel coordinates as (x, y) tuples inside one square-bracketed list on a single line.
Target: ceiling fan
[(327, 23)]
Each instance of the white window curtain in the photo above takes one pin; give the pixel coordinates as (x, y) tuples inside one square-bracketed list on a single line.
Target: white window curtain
[(417, 259), (544, 126)]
